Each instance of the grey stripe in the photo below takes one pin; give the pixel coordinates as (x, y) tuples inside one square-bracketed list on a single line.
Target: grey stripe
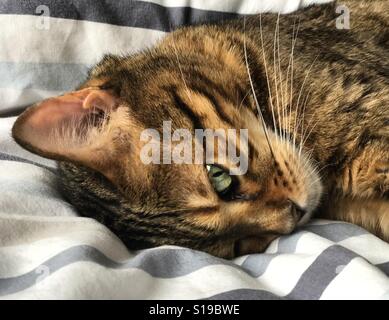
[(42, 76), (321, 272), (162, 263), (288, 244), (118, 12), (170, 263), (245, 294), (8, 157), (336, 231), (384, 267), (11, 111), (256, 264)]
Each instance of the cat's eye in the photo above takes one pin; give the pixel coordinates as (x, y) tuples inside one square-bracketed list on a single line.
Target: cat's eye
[(220, 179)]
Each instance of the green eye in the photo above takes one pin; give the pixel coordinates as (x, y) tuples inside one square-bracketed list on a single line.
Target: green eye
[(221, 180)]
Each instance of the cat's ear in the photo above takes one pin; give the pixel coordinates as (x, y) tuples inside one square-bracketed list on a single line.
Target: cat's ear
[(66, 127)]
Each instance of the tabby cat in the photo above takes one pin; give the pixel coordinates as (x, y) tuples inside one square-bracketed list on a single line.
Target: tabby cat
[(315, 101)]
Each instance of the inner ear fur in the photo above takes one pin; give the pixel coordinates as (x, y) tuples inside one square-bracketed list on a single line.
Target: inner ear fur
[(67, 127)]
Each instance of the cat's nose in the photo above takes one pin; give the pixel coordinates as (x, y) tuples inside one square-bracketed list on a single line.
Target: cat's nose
[(298, 211)]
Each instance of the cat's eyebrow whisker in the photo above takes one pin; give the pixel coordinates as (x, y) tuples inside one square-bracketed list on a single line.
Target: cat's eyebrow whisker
[(305, 103), (290, 68), (281, 86), (305, 134), (180, 68), (283, 115), (302, 120), (299, 97), (241, 102), (252, 85), (266, 72), (276, 78)]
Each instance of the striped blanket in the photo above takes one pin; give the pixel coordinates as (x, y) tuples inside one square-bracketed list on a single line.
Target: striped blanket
[(48, 251)]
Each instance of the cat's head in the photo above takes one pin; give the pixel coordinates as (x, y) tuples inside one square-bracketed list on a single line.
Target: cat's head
[(98, 134)]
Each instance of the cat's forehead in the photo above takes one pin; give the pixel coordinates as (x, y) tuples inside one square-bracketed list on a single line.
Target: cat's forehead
[(144, 78)]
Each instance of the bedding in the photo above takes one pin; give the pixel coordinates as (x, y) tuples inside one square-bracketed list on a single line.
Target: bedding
[(47, 251)]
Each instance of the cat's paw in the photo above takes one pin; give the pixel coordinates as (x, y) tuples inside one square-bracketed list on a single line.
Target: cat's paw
[(368, 180)]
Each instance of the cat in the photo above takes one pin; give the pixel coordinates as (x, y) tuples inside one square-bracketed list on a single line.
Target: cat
[(314, 99)]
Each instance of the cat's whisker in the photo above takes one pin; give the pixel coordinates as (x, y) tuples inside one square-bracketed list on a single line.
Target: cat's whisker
[(294, 40), (305, 103), (290, 69), (312, 171), (278, 132), (302, 144), (241, 102), (304, 129), (307, 157), (306, 138), (302, 119), (299, 97), (180, 68), (312, 183), (283, 107), (324, 167), (252, 86), (315, 170), (304, 135), (266, 72)]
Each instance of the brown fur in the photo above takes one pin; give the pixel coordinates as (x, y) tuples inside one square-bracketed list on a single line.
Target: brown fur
[(335, 109)]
